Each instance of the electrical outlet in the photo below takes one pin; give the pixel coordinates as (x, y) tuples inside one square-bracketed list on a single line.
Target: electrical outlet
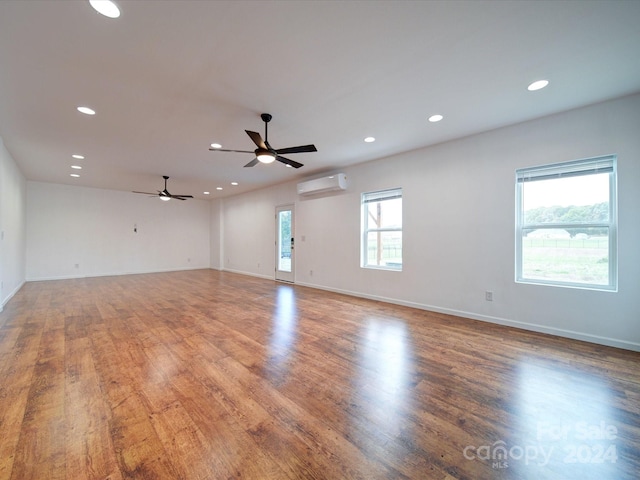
[(488, 296)]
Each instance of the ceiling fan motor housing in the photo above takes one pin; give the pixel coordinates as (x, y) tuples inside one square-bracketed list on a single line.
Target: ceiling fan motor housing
[(265, 153)]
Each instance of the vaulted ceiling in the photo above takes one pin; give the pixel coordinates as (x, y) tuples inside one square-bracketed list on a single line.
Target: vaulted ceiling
[(168, 78)]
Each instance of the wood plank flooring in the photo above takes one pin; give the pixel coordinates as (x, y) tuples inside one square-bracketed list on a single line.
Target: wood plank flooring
[(211, 375)]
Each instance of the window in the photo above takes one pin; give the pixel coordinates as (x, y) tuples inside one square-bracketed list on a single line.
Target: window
[(566, 224), (382, 229)]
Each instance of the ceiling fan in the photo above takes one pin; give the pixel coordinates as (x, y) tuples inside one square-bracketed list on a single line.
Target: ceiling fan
[(265, 153), (164, 194)]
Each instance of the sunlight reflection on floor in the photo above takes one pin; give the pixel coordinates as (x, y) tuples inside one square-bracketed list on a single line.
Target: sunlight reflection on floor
[(384, 382), (566, 425), (284, 334)]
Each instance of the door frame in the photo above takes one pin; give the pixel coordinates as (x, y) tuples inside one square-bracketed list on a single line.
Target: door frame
[(284, 275)]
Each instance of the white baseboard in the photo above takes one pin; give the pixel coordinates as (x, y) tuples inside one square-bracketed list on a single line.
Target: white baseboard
[(114, 274), (250, 274), (10, 296), (585, 337), (611, 342)]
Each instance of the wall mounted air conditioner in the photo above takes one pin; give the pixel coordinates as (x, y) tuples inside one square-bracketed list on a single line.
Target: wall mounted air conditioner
[(337, 181)]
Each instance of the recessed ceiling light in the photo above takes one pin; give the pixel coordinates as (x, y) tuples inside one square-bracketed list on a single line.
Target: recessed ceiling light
[(106, 8), (74, 175), (369, 139), (206, 193), (76, 167), (86, 110), (216, 145), (435, 118), (218, 188), (538, 85), (234, 183), (78, 157), (288, 166)]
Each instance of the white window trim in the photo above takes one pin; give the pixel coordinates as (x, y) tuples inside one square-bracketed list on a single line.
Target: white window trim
[(559, 170), (365, 198)]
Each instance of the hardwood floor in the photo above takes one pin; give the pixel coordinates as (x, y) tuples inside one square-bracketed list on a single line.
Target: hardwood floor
[(210, 375)]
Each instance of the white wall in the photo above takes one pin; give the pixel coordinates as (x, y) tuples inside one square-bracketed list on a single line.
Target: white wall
[(12, 226), (248, 229), (78, 232), (459, 225), (458, 229), (215, 234)]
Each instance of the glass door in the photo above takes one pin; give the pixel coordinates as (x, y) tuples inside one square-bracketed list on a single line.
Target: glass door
[(285, 243)]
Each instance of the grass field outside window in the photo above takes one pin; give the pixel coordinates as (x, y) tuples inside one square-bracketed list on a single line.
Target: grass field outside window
[(566, 224)]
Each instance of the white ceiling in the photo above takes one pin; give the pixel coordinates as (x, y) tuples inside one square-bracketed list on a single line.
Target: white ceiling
[(167, 78)]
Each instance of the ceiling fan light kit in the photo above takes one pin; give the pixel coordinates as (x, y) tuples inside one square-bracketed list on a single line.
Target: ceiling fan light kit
[(265, 156), (164, 195), (265, 153)]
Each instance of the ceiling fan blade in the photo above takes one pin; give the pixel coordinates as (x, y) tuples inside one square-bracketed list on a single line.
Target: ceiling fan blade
[(164, 194), (225, 150), (252, 163), (257, 139), (300, 149), (289, 162)]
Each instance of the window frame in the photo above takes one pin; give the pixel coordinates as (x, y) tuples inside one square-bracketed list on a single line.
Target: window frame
[(365, 199), (587, 166)]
